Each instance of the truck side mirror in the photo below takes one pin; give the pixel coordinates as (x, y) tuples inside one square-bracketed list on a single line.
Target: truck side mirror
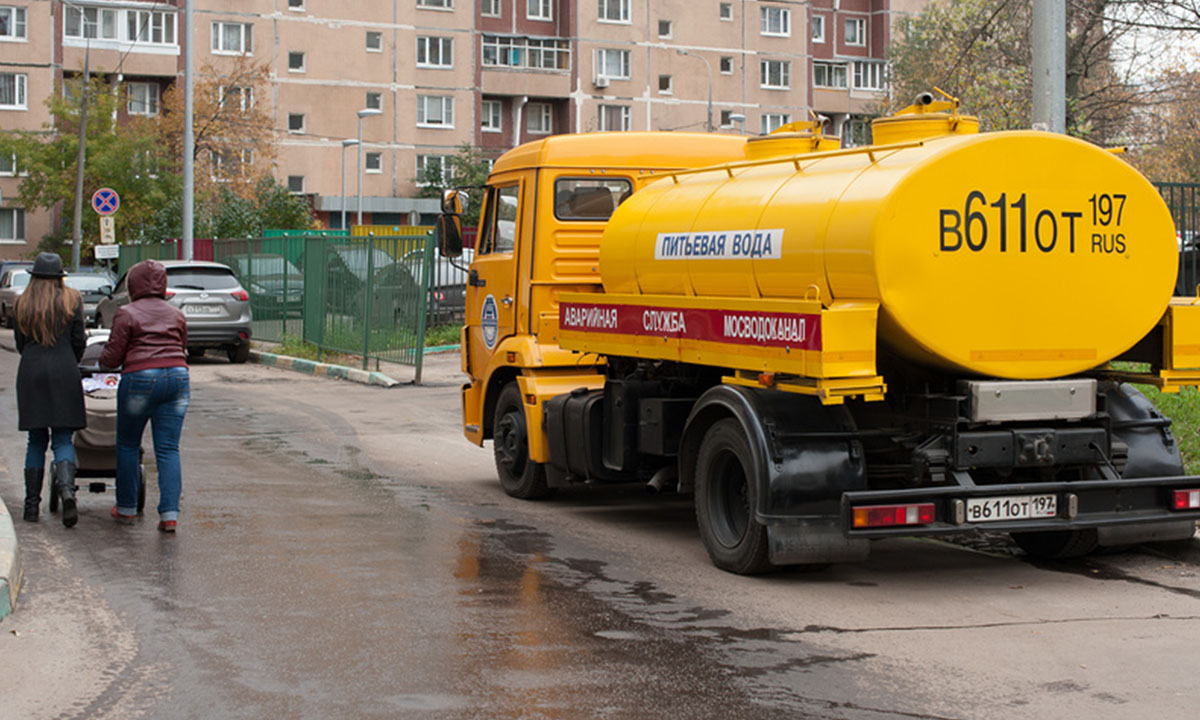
[(449, 235), (452, 202)]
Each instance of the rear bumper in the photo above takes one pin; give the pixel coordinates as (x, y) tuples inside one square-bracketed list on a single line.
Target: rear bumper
[(1081, 504), (217, 336)]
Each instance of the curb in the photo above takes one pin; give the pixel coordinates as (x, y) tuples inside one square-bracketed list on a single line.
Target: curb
[(10, 563), (308, 367)]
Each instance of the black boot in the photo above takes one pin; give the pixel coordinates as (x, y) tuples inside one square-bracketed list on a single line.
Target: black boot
[(33, 493), (64, 485)]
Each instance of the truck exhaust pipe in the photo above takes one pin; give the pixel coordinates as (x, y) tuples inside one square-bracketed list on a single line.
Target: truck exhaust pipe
[(665, 480)]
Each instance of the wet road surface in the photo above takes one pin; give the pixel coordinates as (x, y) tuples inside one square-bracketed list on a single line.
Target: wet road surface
[(343, 552)]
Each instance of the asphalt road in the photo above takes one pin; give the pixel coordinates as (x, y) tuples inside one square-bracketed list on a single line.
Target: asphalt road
[(344, 553)]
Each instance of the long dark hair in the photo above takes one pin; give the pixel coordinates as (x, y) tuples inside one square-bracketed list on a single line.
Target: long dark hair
[(45, 307)]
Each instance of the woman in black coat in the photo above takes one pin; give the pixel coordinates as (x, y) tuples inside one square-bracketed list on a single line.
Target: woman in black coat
[(49, 335)]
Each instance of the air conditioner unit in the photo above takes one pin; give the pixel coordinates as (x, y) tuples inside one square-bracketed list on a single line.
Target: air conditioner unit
[(601, 82)]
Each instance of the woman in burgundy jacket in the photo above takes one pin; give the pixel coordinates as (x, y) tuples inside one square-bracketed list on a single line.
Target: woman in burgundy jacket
[(149, 343)]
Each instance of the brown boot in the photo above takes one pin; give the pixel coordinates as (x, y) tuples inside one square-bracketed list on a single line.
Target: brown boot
[(33, 493)]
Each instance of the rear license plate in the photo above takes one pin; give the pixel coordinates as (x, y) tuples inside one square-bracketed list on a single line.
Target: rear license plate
[(1017, 507), (194, 309)]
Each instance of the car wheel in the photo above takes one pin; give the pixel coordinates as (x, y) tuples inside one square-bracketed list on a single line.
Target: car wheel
[(239, 353), (726, 495), (194, 353)]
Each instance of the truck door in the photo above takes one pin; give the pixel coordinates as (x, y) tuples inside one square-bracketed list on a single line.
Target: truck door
[(492, 282)]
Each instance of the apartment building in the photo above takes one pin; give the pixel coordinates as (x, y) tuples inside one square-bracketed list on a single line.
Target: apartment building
[(433, 75)]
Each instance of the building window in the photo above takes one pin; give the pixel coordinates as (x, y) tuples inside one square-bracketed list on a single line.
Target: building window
[(12, 23), (296, 123), (427, 164), (296, 5), (295, 183), (12, 91), (437, 4), (435, 52), (295, 62), (614, 117), (856, 131), (94, 23), (818, 28), (502, 51), (856, 31), (775, 21), (435, 111), (232, 38), (143, 98), (235, 164), (616, 11), (539, 9), (240, 97), (726, 11), (539, 119), (8, 165), (12, 225), (664, 28), (374, 101), (664, 84), (490, 118), (868, 75), (374, 41), (150, 27), (489, 8), (775, 74), (373, 162), (612, 64), (726, 64), (773, 121), (829, 75)]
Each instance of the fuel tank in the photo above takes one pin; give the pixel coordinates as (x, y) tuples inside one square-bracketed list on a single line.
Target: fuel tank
[(1021, 254)]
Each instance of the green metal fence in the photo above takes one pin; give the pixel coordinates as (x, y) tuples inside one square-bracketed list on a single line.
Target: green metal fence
[(364, 296), (134, 254)]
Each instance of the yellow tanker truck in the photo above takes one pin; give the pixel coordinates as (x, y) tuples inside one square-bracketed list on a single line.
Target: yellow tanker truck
[(827, 346)]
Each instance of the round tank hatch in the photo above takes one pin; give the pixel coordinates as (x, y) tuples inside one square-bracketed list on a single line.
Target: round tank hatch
[(927, 117), (779, 144)]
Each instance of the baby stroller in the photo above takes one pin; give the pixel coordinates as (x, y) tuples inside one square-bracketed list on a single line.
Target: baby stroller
[(96, 445)]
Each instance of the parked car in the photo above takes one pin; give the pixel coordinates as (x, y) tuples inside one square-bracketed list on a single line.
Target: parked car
[(94, 287), (276, 285), (447, 297), (6, 265), (391, 287), (215, 304), (12, 284)]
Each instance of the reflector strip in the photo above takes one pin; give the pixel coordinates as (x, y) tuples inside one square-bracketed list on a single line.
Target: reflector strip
[(893, 515), (1185, 499)]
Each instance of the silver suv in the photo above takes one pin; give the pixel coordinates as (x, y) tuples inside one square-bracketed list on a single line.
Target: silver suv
[(216, 306)]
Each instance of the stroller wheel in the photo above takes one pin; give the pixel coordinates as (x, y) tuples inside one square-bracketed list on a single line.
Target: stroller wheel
[(141, 503)]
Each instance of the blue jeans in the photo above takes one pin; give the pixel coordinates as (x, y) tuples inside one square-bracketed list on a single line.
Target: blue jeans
[(40, 439), (160, 396)]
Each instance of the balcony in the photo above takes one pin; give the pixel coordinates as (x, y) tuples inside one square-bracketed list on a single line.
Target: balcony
[(515, 65)]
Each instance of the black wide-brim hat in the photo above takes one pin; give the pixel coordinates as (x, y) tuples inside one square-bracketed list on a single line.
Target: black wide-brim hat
[(47, 265)]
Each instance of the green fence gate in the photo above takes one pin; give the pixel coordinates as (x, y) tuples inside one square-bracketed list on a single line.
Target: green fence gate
[(366, 296)]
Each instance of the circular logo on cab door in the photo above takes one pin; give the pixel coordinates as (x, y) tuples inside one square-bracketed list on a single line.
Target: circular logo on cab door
[(489, 322)]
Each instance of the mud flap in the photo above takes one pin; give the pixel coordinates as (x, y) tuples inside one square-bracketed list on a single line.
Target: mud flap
[(805, 541)]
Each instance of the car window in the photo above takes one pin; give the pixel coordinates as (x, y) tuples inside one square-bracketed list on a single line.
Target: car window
[(500, 230), (201, 278), (87, 282), (19, 278), (265, 265)]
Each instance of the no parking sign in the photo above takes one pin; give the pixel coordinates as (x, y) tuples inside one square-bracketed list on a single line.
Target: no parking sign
[(106, 201)]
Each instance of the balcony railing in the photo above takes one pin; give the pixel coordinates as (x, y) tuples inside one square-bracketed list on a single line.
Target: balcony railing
[(526, 53)]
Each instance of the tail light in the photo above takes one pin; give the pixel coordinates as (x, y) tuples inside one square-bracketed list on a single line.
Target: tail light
[(240, 295), (1185, 499), (893, 515), (169, 294)]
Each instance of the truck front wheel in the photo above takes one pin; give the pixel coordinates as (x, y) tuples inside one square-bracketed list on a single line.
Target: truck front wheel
[(519, 476), (726, 495)]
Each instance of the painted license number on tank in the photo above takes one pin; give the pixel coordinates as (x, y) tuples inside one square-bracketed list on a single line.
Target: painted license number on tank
[(1011, 224)]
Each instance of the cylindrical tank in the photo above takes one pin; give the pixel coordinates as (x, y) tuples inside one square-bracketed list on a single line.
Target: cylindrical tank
[(1009, 254)]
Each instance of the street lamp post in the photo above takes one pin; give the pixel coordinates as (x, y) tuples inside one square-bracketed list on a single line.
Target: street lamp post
[(365, 112), (708, 67), (345, 144)]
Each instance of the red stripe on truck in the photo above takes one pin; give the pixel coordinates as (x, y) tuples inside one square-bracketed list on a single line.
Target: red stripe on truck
[(740, 327)]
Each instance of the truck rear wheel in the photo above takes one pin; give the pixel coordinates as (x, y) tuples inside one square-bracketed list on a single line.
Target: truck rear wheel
[(726, 495), (519, 476)]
